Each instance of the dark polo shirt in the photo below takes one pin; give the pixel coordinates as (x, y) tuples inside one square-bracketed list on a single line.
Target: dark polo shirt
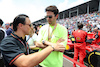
[(12, 48)]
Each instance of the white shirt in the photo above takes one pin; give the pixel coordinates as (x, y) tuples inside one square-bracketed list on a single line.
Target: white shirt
[(32, 39)]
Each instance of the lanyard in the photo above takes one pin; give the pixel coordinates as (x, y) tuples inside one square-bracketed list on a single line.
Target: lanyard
[(50, 35), (27, 49)]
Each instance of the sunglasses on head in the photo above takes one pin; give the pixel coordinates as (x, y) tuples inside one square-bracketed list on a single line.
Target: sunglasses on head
[(6, 24), (48, 16)]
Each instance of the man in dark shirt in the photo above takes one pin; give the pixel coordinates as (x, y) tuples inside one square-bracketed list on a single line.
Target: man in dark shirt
[(15, 50)]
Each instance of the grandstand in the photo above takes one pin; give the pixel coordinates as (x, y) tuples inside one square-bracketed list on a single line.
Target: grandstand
[(79, 13)]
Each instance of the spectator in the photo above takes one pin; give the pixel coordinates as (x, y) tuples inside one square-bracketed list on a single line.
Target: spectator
[(37, 32), (89, 31), (10, 29), (32, 40), (1, 28), (2, 35), (7, 25), (96, 36), (98, 26), (52, 33)]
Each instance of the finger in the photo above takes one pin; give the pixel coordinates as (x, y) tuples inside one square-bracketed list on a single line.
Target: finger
[(62, 47), (60, 38), (62, 50)]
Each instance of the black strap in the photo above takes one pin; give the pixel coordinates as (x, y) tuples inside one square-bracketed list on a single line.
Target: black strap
[(78, 42)]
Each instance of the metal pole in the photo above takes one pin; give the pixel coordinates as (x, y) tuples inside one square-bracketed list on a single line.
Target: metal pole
[(69, 14), (88, 8), (99, 7), (77, 11), (63, 15)]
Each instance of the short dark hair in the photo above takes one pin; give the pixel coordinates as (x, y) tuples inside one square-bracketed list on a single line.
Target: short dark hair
[(19, 19), (80, 25), (52, 8), (1, 22), (11, 24)]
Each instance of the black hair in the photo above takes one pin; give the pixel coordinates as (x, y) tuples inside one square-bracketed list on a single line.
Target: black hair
[(1, 22), (53, 9), (19, 19), (80, 25), (11, 24)]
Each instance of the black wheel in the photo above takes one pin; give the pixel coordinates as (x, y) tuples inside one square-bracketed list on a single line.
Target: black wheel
[(94, 59)]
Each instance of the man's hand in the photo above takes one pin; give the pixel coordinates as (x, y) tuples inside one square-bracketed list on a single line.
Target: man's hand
[(40, 45), (59, 47), (60, 40)]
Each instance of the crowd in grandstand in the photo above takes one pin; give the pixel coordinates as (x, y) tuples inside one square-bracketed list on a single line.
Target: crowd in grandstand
[(90, 21)]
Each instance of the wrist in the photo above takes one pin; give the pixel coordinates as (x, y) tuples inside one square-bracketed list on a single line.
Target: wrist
[(52, 47), (43, 41)]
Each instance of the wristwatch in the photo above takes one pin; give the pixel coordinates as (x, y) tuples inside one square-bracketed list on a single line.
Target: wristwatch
[(43, 41), (52, 47)]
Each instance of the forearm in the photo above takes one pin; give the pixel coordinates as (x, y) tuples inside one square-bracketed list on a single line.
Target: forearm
[(31, 47), (34, 47), (60, 47), (40, 45), (35, 58), (49, 43), (39, 56)]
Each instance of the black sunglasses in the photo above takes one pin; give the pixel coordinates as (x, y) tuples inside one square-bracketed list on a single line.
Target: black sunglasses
[(48, 16), (29, 25)]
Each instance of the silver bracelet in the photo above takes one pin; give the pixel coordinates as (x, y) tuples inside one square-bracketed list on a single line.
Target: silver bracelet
[(52, 47)]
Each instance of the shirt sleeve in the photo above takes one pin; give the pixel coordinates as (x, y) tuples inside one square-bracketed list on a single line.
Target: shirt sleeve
[(31, 42), (39, 37), (34, 36), (7, 31), (10, 51)]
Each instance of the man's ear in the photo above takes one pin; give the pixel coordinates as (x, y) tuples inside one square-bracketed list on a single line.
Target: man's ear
[(57, 16), (20, 25)]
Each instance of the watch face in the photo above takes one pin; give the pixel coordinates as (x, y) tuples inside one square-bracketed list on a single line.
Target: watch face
[(43, 41)]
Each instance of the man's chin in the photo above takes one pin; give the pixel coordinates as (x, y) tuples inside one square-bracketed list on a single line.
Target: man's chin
[(28, 34), (49, 22)]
